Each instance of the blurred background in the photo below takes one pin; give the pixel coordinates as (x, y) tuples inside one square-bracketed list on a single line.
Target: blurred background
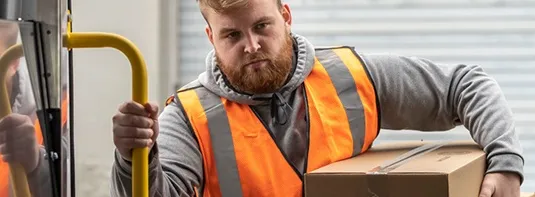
[(496, 34)]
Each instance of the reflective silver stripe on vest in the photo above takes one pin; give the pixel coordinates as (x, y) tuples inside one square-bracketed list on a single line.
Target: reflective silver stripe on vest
[(347, 92), (222, 144)]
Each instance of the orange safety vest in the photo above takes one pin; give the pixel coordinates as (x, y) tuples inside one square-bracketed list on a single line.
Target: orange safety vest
[(240, 158), (4, 166)]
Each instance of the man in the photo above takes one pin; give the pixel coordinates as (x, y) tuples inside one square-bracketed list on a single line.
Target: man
[(20, 137), (271, 107)]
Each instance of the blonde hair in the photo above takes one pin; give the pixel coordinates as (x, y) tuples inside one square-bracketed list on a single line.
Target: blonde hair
[(222, 6), (9, 32)]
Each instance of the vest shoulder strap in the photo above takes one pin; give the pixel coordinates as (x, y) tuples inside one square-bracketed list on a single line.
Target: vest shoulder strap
[(191, 86), (321, 48), (347, 71), (191, 95), (207, 118)]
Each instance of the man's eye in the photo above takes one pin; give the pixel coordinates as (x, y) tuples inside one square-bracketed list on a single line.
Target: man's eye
[(261, 26), (233, 35)]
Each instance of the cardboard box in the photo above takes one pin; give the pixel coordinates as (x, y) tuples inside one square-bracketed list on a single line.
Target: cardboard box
[(408, 169)]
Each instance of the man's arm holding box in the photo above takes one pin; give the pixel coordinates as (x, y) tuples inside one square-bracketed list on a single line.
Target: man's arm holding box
[(417, 94)]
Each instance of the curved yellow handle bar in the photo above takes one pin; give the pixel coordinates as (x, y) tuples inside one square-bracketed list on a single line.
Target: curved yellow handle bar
[(17, 175), (140, 162)]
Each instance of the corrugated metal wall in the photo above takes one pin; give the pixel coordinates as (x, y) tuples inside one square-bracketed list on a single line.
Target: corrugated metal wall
[(498, 35)]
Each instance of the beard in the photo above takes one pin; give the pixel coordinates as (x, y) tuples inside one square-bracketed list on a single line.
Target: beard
[(266, 79)]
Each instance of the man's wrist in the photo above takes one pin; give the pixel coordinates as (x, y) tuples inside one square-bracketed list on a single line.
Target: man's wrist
[(41, 155), (507, 163), (126, 165)]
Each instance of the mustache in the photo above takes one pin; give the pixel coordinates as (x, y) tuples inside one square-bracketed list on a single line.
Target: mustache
[(255, 58)]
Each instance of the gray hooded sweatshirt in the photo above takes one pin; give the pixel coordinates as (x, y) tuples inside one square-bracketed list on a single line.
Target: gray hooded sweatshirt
[(413, 93)]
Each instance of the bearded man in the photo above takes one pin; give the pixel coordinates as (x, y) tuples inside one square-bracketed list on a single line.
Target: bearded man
[(271, 107)]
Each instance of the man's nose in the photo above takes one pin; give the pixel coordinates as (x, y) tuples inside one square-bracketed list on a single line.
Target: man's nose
[(252, 45)]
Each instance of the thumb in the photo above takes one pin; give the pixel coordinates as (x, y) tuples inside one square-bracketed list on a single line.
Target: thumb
[(487, 188)]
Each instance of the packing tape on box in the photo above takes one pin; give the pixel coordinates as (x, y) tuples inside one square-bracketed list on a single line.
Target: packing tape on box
[(379, 173), (406, 157)]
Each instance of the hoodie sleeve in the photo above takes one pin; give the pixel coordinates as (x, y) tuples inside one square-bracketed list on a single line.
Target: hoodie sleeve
[(175, 167), (417, 94), (39, 180)]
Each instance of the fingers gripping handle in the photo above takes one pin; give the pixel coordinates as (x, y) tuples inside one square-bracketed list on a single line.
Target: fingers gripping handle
[(18, 178), (140, 162)]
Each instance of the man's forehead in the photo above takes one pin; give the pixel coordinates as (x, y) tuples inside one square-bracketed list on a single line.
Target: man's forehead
[(230, 21)]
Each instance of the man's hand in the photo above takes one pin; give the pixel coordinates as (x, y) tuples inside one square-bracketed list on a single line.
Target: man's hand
[(135, 126), (17, 141), (503, 184)]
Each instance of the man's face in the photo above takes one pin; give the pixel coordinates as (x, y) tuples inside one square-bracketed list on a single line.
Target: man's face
[(253, 45)]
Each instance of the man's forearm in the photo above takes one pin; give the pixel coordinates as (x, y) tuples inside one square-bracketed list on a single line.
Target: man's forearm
[(417, 94), (161, 183), (122, 178), (481, 106), (39, 180)]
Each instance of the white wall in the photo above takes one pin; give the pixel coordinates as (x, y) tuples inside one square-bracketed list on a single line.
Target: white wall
[(103, 81)]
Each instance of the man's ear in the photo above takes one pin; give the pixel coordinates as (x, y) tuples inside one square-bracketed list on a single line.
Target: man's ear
[(287, 14), (209, 34)]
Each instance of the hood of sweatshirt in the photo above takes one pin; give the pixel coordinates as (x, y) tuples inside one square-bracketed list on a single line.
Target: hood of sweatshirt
[(22, 99), (303, 60)]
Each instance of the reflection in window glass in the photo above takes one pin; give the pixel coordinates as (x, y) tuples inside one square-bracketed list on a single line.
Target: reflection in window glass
[(21, 139)]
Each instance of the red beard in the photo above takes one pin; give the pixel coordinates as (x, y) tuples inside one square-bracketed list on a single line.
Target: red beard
[(266, 79)]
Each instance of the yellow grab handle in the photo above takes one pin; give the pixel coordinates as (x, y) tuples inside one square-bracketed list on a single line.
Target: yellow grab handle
[(17, 174), (140, 161)]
